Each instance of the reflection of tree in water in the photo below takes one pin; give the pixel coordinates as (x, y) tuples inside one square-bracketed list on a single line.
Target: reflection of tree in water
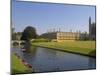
[(29, 48), (30, 52), (50, 51), (92, 60)]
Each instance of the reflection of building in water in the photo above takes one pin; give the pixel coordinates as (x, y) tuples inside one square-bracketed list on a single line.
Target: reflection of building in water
[(92, 63)]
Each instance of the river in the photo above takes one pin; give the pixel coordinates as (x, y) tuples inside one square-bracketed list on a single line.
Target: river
[(49, 60)]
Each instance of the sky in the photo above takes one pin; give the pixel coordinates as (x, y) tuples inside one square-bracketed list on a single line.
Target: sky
[(49, 16)]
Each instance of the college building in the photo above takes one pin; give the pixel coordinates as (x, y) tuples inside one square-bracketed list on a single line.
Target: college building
[(92, 30), (60, 36), (67, 36)]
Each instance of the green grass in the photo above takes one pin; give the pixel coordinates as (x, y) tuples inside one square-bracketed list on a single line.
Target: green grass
[(81, 47), (17, 66)]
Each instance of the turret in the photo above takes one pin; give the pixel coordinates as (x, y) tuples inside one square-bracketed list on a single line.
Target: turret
[(89, 27)]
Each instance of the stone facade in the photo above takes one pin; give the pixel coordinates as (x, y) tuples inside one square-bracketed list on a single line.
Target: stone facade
[(92, 30), (62, 36), (67, 36)]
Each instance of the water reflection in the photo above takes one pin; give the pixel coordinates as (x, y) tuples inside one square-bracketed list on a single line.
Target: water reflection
[(29, 53), (48, 60), (92, 63)]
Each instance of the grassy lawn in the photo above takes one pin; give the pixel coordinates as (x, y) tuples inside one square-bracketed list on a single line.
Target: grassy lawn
[(81, 47), (17, 66)]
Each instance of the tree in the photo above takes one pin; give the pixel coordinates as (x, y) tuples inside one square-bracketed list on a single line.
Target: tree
[(14, 36), (29, 33)]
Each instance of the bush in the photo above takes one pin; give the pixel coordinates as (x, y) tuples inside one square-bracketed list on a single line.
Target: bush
[(42, 40)]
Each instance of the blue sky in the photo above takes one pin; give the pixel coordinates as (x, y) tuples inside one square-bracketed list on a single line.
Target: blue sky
[(46, 16)]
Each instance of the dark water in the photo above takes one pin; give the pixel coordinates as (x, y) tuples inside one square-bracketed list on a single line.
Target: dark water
[(48, 60)]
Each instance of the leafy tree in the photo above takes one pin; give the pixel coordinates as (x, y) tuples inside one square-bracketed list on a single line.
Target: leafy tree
[(14, 36), (29, 33)]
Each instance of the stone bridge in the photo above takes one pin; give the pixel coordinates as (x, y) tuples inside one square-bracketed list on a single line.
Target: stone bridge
[(17, 42)]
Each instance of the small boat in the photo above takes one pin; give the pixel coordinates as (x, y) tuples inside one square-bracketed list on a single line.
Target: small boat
[(29, 66), (24, 62), (23, 48)]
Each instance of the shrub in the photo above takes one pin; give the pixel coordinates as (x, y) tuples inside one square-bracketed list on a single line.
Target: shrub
[(42, 40)]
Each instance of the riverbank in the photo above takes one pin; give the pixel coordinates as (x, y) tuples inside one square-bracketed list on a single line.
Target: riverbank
[(18, 67), (86, 48)]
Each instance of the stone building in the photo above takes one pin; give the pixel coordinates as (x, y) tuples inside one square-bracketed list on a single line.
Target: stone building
[(61, 36), (67, 36), (92, 30), (72, 36)]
